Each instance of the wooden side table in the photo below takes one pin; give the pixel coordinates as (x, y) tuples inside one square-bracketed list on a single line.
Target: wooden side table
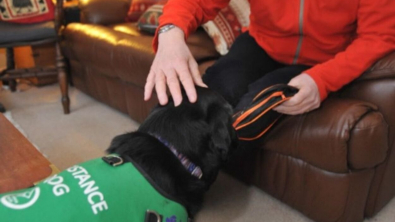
[(21, 164)]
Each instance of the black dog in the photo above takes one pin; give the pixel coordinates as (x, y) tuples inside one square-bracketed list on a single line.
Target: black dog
[(201, 131)]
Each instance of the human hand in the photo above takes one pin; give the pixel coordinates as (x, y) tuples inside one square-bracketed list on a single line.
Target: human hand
[(307, 99), (173, 64)]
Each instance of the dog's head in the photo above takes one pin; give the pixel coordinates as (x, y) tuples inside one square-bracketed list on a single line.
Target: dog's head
[(202, 130)]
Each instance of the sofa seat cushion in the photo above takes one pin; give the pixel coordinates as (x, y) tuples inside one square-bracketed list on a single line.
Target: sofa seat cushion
[(342, 135), (201, 45)]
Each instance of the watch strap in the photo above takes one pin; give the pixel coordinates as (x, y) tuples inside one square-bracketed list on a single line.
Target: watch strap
[(166, 28)]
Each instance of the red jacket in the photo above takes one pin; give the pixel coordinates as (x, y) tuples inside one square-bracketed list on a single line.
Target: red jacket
[(339, 38)]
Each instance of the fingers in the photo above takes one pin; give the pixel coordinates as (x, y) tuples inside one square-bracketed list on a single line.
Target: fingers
[(292, 105), (187, 81), (173, 67), (186, 73), (302, 102), (149, 86), (287, 108), (174, 87), (197, 78), (296, 100), (160, 88), (307, 99)]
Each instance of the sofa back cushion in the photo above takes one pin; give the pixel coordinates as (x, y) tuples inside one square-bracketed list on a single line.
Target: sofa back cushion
[(199, 43), (103, 12)]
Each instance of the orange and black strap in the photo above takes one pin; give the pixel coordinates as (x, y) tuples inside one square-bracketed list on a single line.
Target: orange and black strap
[(255, 120)]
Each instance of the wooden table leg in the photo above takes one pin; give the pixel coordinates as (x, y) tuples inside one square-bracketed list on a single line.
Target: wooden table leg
[(11, 66), (62, 77), (2, 108)]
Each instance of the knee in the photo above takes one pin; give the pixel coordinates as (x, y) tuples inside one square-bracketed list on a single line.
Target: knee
[(232, 89)]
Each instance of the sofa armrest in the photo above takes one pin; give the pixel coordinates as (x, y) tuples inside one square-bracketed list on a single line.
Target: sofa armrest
[(384, 68), (342, 135), (103, 12), (376, 86)]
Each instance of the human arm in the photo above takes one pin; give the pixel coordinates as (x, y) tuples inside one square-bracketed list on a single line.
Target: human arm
[(173, 61), (375, 37)]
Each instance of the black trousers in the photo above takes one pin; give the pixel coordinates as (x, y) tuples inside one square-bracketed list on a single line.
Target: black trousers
[(245, 71)]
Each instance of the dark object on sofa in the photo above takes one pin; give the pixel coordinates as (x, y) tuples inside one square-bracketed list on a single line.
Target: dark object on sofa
[(13, 35), (257, 118), (336, 163), (71, 12)]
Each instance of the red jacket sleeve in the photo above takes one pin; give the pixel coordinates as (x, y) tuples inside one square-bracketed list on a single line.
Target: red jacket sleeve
[(188, 14), (375, 38)]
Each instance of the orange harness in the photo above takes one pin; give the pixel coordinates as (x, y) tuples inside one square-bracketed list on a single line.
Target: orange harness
[(256, 119)]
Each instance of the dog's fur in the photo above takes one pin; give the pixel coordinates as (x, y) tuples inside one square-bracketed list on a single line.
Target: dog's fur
[(202, 131)]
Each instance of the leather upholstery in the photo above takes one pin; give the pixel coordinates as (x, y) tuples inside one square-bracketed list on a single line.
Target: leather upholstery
[(200, 44), (118, 59), (327, 138), (321, 195), (333, 164), (380, 91), (103, 12), (10, 33), (384, 68)]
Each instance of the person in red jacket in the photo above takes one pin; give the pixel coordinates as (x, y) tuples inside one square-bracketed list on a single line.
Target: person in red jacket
[(317, 46)]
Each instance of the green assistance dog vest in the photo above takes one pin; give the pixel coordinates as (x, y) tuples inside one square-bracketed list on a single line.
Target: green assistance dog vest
[(92, 191)]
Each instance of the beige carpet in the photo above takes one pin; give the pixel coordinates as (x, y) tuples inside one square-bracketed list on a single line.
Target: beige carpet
[(86, 133)]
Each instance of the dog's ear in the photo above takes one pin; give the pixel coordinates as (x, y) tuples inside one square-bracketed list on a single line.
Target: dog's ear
[(223, 136), (127, 142), (118, 142)]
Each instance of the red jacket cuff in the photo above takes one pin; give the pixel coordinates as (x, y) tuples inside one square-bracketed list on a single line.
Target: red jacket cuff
[(316, 75)]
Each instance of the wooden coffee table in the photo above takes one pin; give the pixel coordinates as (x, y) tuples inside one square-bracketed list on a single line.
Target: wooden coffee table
[(21, 164)]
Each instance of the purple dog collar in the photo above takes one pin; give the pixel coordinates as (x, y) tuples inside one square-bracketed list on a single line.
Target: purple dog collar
[(188, 164)]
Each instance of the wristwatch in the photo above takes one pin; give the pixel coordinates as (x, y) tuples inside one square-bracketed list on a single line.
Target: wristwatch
[(166, 28)]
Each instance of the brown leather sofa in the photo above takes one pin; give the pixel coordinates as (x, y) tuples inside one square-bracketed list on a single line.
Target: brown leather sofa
[(334, 164)]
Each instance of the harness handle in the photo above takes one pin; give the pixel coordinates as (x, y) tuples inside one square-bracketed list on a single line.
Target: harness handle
[(152, 216), (113, 160)]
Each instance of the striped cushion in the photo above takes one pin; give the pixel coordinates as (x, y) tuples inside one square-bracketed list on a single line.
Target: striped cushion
[(138, 7), (229, 23), (149, 21)]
